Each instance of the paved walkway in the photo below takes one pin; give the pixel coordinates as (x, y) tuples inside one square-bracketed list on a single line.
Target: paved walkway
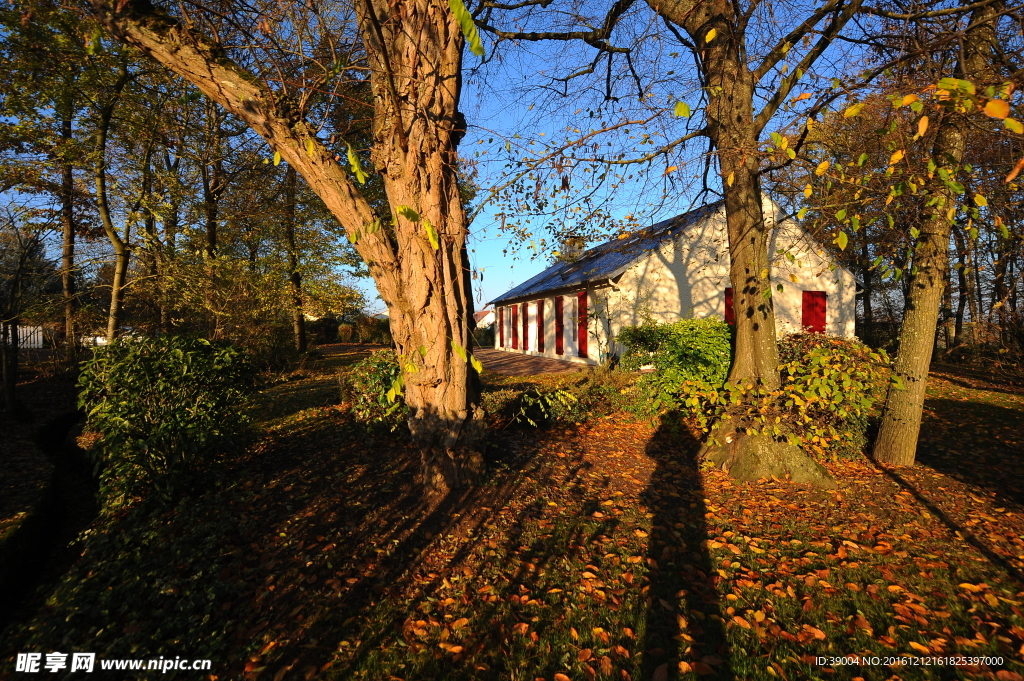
[(516, 364)]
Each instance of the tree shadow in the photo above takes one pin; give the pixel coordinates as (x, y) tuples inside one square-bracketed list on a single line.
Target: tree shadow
[(976, 443), (684, 621)]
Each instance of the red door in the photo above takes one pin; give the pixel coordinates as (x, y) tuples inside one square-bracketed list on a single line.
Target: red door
[(540, 326), (581, 322), (501, 327), (515, 327), (813, 317), (730, 313), (559, 327), (526, 327)]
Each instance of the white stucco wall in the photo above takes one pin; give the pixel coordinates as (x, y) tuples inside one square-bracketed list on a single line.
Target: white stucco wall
[(687, 277)]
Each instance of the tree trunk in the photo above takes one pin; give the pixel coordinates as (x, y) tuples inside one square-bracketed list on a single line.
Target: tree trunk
[(419, 54), (414, 55), (118, 244), (901, 417), (214, 184), (9, 365), (67, 262), (733, 131), (294, 276), (866, 274), (964, 291)]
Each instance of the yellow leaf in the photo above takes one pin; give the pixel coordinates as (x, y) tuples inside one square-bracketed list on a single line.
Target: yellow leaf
[(802, 95), (970, 587), (922, 126), (920, 648), (277, 158), (980, 200), (309, 147), (670, 169), (896, 157), (853, 110), (822, 167), (1013, 125), (909, 99), (729, 180), (997, 108), (792, 278), (808, 190), (711, 35)]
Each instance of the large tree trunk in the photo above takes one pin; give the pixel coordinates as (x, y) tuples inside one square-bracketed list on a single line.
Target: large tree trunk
[(901, 416), (733, 130), (418, 51), (414, 63), (294, 276)]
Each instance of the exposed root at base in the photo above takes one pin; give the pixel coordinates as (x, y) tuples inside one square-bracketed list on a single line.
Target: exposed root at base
[(756, 457)]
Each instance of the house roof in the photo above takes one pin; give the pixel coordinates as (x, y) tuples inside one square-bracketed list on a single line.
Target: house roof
[(609, 259), (477, 316)]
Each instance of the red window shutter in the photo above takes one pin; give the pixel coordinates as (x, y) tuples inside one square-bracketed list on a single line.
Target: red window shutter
[(501, 327), (730, 312), (515, 327), (540, 326), (526, 327), (813, 317), (559, 326), (581, 321)]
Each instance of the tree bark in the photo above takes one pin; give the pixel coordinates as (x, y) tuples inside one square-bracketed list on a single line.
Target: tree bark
[(901, 417), (9, 365), (414, 56), (118, 244), (67, 262), (294, 276), (964, 290), (734, 128)]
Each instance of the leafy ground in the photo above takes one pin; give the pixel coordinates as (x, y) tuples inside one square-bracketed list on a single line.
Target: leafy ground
[(596, 550)]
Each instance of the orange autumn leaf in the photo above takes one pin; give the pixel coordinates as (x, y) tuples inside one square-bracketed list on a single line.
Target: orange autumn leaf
[(997, 108)]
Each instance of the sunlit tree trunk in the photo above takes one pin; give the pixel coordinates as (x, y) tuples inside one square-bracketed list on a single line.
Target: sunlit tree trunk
[(734, 130), (119, 245), (901, 417), (414, 53)]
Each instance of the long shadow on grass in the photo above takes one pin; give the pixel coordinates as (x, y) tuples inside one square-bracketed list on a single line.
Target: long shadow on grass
[(969, 536), (685, 628), (977, 443)]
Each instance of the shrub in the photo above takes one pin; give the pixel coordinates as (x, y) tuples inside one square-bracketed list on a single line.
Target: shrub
[(829, 388), (372, 387), (690, 350), (161, 406)]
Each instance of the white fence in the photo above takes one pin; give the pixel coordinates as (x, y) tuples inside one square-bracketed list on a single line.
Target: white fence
[(30, 336)]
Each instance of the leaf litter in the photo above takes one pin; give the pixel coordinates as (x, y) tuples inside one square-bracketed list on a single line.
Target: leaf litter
[(591, 551)]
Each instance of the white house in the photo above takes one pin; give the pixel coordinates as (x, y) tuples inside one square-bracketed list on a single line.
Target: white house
[(672, 270), (484, 318)]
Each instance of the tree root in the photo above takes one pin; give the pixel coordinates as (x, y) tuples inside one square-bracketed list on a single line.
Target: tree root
[(755, 457)]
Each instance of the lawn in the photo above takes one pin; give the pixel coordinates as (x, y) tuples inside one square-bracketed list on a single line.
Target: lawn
[(593, 550)]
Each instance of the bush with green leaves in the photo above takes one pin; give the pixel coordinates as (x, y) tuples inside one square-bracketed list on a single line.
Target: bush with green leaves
[(162, 406), (373, 389), (689, 350), (829, 388)]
